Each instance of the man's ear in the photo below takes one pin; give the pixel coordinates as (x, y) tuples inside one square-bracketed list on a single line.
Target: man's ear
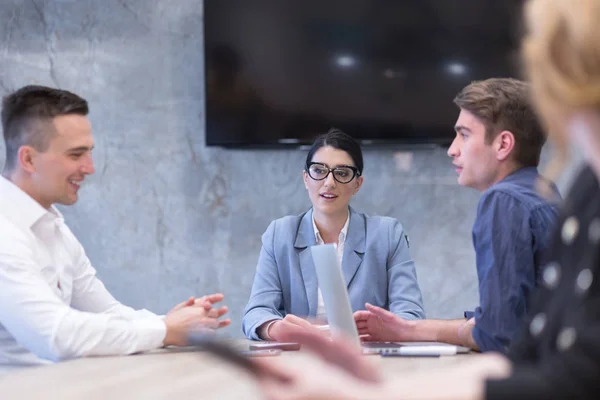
[(26, 158), (504, 144)]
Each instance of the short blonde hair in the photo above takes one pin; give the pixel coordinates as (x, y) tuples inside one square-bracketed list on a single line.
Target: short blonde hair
[(561, 54)]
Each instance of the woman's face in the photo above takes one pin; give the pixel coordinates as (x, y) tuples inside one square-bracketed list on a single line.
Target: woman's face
[(328, 196)]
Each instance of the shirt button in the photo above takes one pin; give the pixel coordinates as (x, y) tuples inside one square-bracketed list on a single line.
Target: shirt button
[(537, 325), (551, 275), (584, 281), (566, 339), (594, 231), (569, 230)]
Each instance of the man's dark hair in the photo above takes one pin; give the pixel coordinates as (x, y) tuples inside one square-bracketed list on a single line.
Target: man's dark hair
[(504, 104), (27, 116)]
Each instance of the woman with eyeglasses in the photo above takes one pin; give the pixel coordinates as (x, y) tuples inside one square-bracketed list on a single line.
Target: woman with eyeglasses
[(373, 251)]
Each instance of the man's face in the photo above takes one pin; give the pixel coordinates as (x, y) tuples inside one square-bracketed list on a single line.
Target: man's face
[(475, 161), (58, 172)]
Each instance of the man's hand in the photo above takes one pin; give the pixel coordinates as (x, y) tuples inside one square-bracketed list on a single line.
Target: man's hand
[(340, 372), (205, 301), (194, 315), (465, 334), (379, 325), (209, 300), (188, 303)]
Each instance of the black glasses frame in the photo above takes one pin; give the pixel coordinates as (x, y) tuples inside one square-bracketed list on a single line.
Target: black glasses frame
[(354, 170)]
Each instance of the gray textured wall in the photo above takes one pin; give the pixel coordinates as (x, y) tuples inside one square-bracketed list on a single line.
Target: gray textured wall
[(164, 217)]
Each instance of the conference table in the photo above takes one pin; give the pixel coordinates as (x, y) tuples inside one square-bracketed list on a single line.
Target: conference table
[(174, 373)]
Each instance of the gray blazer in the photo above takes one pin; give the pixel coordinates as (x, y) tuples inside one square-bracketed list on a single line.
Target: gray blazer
[(376, 265)]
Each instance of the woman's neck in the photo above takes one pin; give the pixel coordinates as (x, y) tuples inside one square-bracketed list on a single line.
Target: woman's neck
[(330, 225), (584, 129)]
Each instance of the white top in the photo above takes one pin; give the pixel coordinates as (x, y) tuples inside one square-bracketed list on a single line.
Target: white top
[(340, 255), (52, 306)]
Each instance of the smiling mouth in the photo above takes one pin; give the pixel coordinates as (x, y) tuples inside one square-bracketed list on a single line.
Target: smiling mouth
[(328, 196), (76, 184)]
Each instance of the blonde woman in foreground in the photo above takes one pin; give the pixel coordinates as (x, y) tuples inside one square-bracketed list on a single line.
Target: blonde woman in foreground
[(557, 353)]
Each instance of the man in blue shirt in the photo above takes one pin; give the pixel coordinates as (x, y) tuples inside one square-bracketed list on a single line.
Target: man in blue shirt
[(496, 151)]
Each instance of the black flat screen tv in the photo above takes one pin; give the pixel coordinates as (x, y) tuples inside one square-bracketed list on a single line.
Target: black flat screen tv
[(280, 72)]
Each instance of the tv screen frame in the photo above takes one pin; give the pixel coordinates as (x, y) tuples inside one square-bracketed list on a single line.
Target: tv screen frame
[(260, 122)]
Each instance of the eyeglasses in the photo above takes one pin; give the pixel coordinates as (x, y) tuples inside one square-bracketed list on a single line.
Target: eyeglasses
[(318, 172)]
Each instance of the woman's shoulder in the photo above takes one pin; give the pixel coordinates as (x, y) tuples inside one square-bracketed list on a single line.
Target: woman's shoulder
[(286, 225), (380, 223), (378, 219), (289, 220)]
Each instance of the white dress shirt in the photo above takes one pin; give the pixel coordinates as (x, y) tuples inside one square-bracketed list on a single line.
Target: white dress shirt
[(52, 306), (340, 255)]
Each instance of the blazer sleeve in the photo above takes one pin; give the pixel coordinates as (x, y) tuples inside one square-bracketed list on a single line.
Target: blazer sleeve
[(403, 289), (266, 298)]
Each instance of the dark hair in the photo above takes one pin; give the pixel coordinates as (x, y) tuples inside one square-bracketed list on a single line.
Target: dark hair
[(338, 140), (27, 115), (504, 104)]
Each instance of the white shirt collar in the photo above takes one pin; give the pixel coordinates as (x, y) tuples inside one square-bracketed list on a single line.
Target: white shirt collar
[(343, 232), (21, 208)]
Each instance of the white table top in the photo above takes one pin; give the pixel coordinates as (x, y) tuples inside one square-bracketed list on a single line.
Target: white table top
[(171, 373)]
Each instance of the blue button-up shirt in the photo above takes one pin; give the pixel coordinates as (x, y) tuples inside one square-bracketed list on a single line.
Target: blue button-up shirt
[(510, 236)]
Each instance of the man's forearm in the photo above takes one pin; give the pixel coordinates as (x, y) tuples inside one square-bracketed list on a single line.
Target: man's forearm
[(456, 332)]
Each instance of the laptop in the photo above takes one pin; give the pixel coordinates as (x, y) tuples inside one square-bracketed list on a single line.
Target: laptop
[(339, 311)]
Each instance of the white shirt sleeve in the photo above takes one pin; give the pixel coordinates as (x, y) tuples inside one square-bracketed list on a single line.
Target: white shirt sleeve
[(39, 320)]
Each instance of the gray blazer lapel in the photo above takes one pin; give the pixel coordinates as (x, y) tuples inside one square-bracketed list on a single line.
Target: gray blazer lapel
[(304, 239), (354, 246)]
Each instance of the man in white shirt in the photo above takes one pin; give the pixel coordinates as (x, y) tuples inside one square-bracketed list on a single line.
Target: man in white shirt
[(52, 306)]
